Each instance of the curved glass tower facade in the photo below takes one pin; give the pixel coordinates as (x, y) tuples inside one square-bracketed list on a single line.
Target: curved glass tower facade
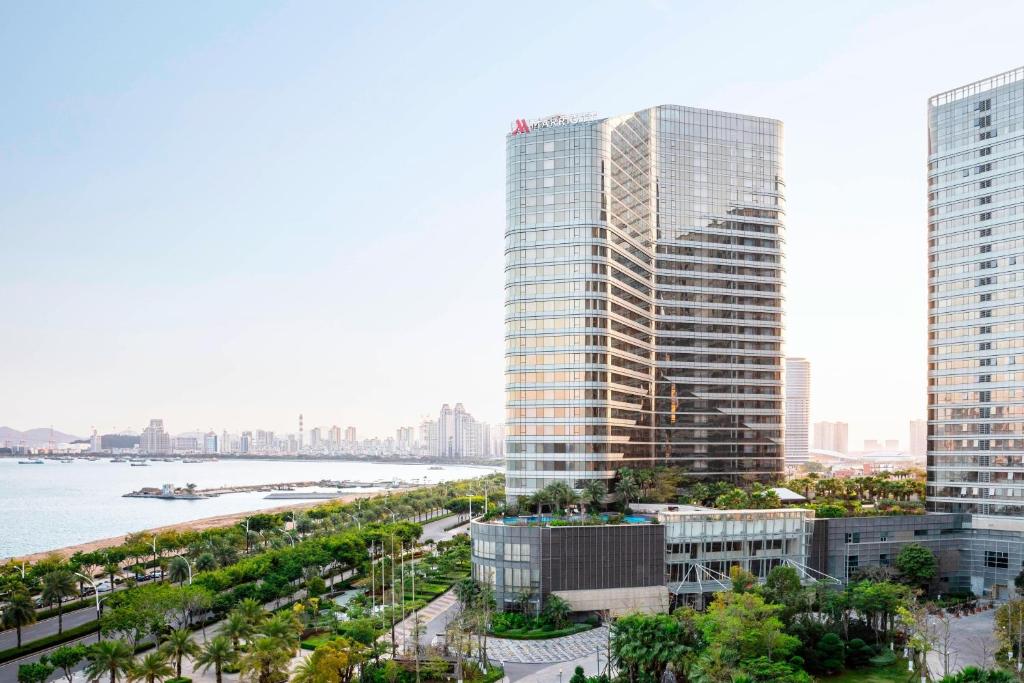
[(643, 297)]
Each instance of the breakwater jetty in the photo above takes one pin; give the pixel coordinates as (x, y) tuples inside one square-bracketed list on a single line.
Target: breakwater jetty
[(283, 491)]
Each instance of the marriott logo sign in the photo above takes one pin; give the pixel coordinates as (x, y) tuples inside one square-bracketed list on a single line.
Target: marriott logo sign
[(526, 125)]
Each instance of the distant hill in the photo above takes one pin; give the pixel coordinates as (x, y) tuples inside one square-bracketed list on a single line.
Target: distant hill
[(34, 437)]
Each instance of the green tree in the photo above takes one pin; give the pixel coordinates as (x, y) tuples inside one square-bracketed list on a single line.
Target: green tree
[(594, 492), (578, 676), (217, 652), (556, 611), (285, 630), (20, 611), (830, 653), (251, 611), (36, 672), (151, 668), (67, 657), (627, 487), (264, 662), (58, 586), (179, 644), (649, 643), (917, 565), (741, 626), (782, 587), (178, 570), (206, 562), (236, 628), (111, 658)]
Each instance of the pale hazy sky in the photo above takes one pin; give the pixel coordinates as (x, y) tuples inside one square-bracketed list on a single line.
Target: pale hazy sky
[(224, 214)]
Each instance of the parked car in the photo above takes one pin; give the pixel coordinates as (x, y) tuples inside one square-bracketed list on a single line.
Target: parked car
[(103, 586)]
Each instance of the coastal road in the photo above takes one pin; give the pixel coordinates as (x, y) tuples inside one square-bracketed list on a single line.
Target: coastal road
[(41, 629), (432, 531)]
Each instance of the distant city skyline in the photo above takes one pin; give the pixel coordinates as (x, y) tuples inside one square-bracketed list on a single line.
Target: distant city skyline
[(195, 226)]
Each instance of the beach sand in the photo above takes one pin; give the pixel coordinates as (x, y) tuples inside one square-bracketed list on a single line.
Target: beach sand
[(196, 525)]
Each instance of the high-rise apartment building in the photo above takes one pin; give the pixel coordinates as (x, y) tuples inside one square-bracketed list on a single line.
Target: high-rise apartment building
[(832, 436), (976, 303), (919, 437), (210, 443), (643, 296), (334, 435), (798, 410), (350, 435), (154, 439)]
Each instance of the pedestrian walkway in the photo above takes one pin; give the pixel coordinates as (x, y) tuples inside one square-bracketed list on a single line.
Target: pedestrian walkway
[(433, 610), (564, 649)]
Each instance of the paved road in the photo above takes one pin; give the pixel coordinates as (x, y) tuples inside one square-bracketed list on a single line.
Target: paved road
[(40, 629), (972, 642)]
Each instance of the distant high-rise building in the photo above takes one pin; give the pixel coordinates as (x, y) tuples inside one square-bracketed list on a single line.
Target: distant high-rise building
[(154, 439), (334, 436), (919, 437), (798, 410), (225, 442), (314, 437), (892, 444), (832, 436), (872, 445), (446, 431), (350, 435), (210, 443), (185, 444), (245, 442)]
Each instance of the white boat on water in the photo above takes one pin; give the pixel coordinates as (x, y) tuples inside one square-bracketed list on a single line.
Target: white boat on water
[(140, 464), (34, 461)]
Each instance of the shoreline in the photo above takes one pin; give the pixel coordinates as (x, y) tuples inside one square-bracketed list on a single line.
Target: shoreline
[(201, 524)]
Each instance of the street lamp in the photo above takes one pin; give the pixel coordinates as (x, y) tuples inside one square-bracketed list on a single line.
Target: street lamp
[(356, 520), (95, 592)]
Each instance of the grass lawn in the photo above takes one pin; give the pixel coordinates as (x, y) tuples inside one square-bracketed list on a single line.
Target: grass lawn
[(894, 673)]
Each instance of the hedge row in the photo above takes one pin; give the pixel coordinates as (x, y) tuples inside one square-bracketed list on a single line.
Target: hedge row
[(49, 641)]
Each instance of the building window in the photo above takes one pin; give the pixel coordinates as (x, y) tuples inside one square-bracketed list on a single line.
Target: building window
[(997, 560), (883, 559), (517, 552), (853, 537), (483, 549), (884, 536), (920, 532), (852, 562)]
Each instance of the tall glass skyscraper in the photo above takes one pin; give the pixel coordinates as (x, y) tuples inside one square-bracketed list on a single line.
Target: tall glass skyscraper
[(643, 296), (975, 299)]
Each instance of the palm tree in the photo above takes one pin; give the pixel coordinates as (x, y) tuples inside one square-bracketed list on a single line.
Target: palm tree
[(252, 611), (283, 629), (206, 562), (178, 570), (540, 499), (236, 627), (627, 488), (152, 668), (593, 495), (20, 611), (560, 494), (113, 657), (179, 643), (58, 585), (111, 569), (265, 662), (218, 653)]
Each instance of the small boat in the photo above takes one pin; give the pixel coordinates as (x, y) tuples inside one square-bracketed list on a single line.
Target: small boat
[(34, 461), (66, 461), (118, 460), (191, 460), (435, 467), (140, 464)]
